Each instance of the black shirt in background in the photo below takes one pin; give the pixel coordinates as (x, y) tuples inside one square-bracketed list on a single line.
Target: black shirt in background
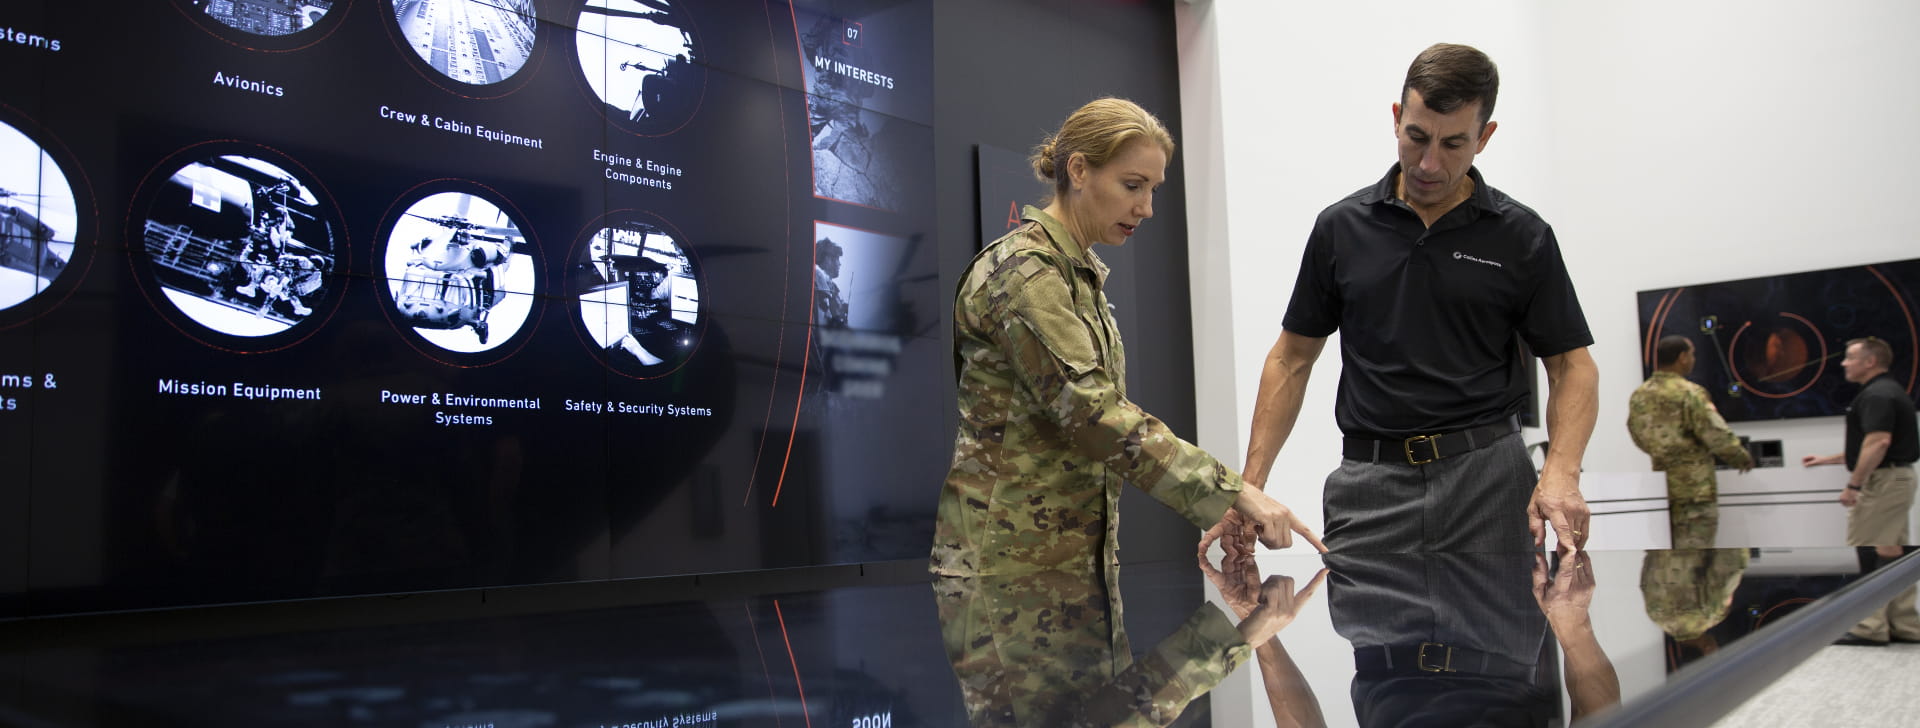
[(1883, 406)]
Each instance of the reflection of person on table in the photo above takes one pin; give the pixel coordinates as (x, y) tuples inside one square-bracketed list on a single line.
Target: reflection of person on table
[(1049, 648), (1461, 638), (1047, 435), (1882, 444), (1288, 694), (1688, 592)]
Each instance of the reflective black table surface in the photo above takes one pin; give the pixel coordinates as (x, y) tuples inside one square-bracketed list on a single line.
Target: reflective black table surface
[(1437, 639)]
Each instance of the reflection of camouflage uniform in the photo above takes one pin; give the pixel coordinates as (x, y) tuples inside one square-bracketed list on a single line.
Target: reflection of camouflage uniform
[(1687, 591), (1046, 432), (1672, 420), (1047, 648)]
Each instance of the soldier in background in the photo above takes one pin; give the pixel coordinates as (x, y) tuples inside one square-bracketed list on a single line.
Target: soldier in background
[(1674, 421)]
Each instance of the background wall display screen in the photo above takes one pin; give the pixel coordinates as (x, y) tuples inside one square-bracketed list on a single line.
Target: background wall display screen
[(316, 298), (1770, 348)]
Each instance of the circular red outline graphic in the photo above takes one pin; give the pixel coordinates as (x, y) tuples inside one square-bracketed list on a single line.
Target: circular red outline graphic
[(1733, 362)]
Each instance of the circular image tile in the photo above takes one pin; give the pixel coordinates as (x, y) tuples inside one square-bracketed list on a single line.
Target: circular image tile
[(240, 244), (40, 218), (266, 25), (461, 276), (638, 288), (471, 47), (641, 59)]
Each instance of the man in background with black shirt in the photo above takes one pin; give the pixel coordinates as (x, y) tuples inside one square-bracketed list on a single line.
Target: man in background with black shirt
[(1882, 443), (1434, 279)]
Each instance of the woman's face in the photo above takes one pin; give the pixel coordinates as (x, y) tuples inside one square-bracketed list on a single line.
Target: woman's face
[(1107, 203)]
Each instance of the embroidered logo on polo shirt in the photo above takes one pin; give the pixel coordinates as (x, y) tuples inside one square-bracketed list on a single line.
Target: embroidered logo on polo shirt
[(1457, 255)]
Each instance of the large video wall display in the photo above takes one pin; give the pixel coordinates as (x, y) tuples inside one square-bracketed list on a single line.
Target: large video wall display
[(1770, 348), (303, 298)]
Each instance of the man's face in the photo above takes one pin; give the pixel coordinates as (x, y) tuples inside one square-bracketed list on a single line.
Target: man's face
[(831, 264), (1115, 198), (1858, 364), (1436, 149)]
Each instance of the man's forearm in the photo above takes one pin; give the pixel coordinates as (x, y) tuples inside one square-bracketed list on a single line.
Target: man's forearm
[(1288, 694), (1873, 450), (1283, 387), (1573, 401)]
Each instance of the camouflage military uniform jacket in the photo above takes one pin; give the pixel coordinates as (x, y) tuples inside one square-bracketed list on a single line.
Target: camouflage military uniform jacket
[(1047, 435), (1672, 420)]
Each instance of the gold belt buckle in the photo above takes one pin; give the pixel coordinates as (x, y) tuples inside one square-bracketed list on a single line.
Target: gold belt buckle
[(1445, 666), (1433, 445)]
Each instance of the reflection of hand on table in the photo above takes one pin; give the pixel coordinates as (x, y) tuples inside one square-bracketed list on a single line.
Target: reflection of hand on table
[(1566, 598), (1265, 608)]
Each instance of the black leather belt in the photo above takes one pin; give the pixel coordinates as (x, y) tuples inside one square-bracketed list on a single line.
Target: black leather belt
[(1893, 464), (1423, 449), (1437, 659)]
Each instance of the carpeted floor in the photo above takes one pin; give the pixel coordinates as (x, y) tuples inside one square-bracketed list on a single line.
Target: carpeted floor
[(1840, 687)]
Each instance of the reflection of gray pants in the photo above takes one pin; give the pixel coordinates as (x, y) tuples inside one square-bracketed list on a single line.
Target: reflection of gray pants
[(1880, 519), (1474, 501)]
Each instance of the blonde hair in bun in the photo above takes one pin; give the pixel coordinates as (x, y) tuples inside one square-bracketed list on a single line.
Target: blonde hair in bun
[(1095, 131)]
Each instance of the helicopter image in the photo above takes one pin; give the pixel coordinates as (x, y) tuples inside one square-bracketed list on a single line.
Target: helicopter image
[(24, 239), (652, 38), (451, 277), (236, 235)]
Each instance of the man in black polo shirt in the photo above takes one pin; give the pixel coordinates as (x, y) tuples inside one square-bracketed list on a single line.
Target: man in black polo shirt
[(1434, 279), (1882, 444)]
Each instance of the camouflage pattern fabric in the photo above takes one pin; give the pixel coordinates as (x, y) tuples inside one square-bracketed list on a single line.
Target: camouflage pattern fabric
[(1047, 648), (1687, 591), (1672, 420), (1047, 435)]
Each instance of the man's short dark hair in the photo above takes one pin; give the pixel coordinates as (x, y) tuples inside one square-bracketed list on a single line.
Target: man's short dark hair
[(1882, 353), (1450, 76), (1670, 349), (825, 248)]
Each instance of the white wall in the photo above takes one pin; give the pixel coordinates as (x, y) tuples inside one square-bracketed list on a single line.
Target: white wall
[(1668, 144)]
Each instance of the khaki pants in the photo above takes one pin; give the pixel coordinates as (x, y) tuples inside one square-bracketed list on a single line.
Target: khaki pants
[(1880, 519)]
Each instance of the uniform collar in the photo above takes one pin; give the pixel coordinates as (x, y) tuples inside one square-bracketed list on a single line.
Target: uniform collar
[(1083, 258), (1481, 199), (1661, 374)]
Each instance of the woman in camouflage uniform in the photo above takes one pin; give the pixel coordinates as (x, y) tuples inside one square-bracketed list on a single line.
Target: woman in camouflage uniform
[(1047, 436)]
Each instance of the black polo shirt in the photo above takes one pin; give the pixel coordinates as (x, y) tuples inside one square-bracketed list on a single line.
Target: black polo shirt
[(1430, 319), (1883, 406)]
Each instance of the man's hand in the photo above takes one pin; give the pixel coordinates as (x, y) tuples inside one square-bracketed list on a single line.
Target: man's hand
[(1273, 523), (1557, 500), (1235, 534), (1849, 497), (1566, 597), (1263, 608)]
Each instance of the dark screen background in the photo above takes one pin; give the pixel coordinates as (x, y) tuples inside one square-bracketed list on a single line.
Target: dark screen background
[(824, 443)]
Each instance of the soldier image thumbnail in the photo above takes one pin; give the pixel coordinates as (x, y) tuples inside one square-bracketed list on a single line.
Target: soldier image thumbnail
[(639, 297), (642, 59), (240, 245), (38, 217), (1674, 421)]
